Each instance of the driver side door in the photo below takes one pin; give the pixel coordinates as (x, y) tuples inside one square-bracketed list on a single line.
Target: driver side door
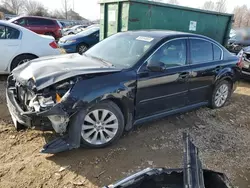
[(167, 90)]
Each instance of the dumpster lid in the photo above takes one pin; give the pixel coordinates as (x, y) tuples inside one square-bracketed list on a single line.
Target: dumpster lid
[(167, 5)]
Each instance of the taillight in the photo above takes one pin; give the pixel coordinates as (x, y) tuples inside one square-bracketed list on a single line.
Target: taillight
[(53, 44), (240, 62)]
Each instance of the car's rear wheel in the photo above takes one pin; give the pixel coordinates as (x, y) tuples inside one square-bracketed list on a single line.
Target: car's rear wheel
[(221, 94), (20, 60), (81, 48), (102, 125)]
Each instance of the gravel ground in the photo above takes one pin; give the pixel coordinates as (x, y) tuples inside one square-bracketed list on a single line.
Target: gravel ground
[(223, 137)]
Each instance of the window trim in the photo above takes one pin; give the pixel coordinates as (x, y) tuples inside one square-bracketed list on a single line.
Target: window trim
[(212, 42), (181, 38), (4, 31)]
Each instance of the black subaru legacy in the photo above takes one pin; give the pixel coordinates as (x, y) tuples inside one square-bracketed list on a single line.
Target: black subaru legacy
[(127, 79)]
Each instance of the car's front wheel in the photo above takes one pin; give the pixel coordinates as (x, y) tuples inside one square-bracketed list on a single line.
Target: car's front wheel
[(82, 48), (102, 125), (221, 94)]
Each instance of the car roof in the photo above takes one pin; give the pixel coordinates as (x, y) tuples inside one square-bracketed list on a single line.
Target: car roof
[(40, 17), (160, 34)]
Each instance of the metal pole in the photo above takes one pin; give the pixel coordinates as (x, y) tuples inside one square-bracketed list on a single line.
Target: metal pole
[(66, 9)]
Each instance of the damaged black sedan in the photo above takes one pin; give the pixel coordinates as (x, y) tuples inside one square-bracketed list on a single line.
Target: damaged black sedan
[(126, 79)]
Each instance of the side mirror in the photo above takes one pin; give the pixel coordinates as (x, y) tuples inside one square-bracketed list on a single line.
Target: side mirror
[(16, 22), (156, 66)]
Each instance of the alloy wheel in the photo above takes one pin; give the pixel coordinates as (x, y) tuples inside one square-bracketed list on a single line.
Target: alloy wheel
[(82, 49), (221, 95), (100, 127)]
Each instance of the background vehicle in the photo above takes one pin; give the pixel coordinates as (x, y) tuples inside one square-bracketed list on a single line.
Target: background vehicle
[(244, 56), (124, 80), (40, 25), (74, 30), (80, 42), (20, 45), (239, 40)]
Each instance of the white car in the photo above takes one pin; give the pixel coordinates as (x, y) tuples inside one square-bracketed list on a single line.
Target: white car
[(74, 30), (19, 45)]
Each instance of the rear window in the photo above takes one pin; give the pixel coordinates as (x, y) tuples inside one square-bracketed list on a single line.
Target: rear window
[(217, 53)]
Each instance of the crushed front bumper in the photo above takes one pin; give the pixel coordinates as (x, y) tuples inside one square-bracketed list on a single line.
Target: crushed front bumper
[(69, 141), (16, 111)]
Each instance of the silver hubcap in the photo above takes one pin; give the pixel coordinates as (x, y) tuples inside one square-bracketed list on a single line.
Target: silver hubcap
[(99, 127), (82, 49), (221, 95)]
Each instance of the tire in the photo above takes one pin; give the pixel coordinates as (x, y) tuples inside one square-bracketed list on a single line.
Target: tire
[(71, 33), (20, 60), (96, 134), (81, 48), (221, 94)]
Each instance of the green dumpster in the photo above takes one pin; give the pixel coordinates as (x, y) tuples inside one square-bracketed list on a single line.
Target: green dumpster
[(125, 15)]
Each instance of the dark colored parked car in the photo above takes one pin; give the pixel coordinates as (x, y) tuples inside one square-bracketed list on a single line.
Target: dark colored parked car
[(244, 56), (124, 80), (40, 25), (80, 42)]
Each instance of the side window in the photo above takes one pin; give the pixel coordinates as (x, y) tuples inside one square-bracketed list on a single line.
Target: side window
[(201, 51), (172, 54), (2, 32), (12, 33), (46, 22), (217, 53), (21, 21), (33, 21)]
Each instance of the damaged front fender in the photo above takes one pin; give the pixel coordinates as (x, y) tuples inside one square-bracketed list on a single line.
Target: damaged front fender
[(85, 94)]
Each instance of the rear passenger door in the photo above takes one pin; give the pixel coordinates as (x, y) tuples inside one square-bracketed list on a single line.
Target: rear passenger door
[(10, 42), (205, 59), (35, 25)]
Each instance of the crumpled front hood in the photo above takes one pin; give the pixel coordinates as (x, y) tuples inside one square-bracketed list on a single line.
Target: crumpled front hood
[(50, 70)]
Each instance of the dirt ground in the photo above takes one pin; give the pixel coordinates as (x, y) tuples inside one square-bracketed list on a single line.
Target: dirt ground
[(223, 137)]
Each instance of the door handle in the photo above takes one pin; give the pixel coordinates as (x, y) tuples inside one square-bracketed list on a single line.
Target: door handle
[(184, 75)]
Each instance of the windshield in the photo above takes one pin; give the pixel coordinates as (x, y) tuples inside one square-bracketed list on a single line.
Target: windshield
[(122, 49), (88, 31)]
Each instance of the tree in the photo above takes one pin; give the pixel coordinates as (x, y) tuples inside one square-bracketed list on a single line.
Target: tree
[(35, 8), (221, 6), (66, 7), (58, 14), (209, 5), (6, 11), (241, 16), (14, 6)]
